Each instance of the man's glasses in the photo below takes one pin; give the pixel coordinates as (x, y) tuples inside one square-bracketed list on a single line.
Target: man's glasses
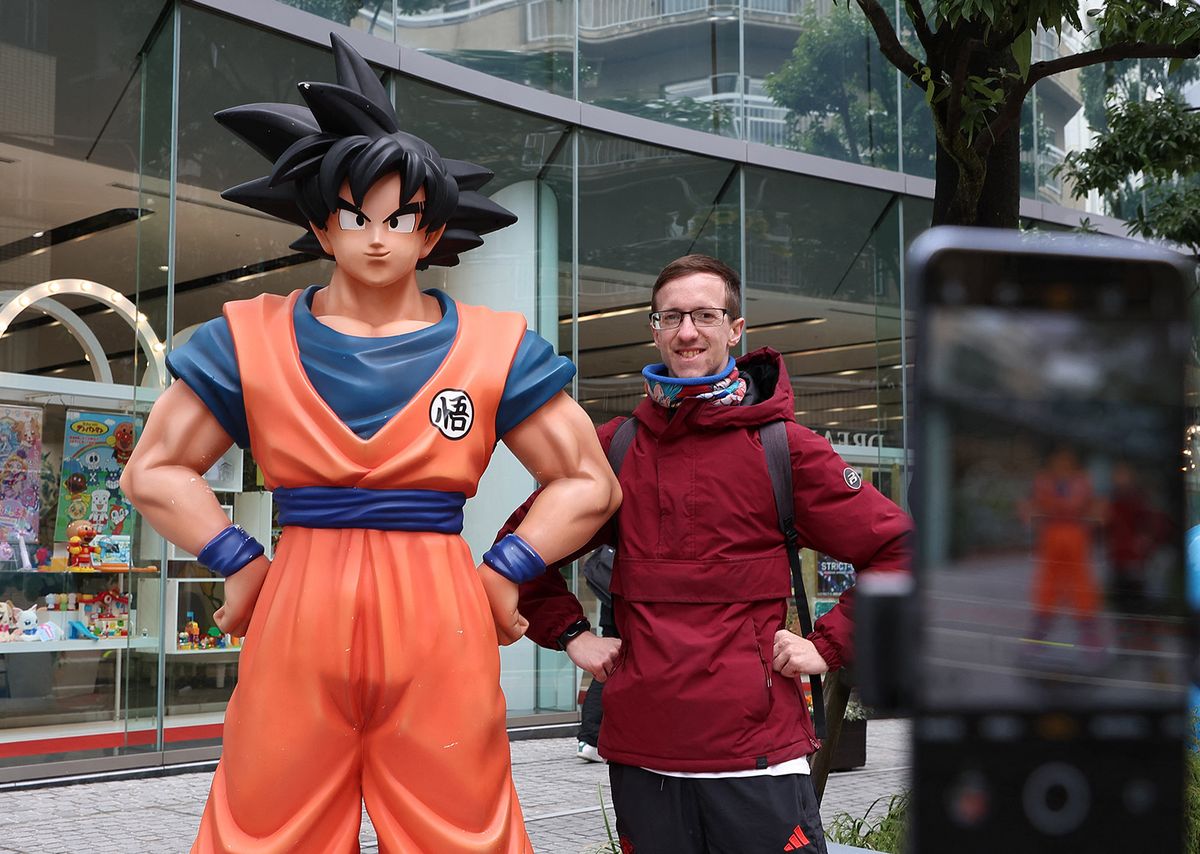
[(671, 319)]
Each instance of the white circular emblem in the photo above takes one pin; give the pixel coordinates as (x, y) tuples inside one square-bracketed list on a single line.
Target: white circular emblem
[(452, 412), (853, 478)]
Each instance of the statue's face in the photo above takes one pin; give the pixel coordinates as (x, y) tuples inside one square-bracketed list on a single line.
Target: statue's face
[(379, 243)]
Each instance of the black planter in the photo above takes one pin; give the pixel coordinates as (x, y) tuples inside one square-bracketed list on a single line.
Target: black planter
[(851, 751)]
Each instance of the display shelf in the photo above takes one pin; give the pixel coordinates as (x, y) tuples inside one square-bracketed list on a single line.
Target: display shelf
[(137, 570), (18, 646), (230, 650)]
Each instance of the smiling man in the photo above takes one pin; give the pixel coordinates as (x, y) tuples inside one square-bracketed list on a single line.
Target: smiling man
[(705, 726)]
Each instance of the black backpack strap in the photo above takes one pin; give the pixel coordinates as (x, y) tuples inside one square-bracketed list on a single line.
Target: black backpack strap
[(779, 466), (620, 443)]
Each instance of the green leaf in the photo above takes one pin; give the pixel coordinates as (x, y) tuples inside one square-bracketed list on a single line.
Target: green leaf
[(1022, 50)]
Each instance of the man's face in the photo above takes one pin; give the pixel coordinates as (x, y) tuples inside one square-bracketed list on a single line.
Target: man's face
[(689, 350), (379, 243)]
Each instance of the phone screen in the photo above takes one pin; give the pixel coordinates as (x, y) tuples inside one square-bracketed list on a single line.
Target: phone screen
[(1051, 488)]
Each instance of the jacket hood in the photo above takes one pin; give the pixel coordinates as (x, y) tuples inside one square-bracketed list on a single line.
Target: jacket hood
[(768, 398)]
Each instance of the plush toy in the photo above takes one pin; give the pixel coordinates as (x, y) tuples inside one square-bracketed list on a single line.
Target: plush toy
[(8, 621), (32, 631)]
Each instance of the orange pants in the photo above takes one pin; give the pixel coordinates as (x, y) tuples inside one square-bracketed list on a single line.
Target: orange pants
[(370, 673), (1064, 569)]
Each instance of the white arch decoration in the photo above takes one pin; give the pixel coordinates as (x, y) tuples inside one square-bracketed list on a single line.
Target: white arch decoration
[(43, 296)]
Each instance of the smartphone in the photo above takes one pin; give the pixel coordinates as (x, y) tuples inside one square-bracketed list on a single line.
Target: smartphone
[(1051, 622)]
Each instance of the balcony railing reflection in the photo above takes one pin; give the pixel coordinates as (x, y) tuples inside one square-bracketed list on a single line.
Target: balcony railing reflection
[(609, 17)]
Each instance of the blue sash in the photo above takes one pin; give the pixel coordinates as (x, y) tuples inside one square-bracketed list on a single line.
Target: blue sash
[(377, 509)]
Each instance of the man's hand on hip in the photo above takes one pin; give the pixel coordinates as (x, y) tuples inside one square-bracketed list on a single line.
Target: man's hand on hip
[(598, 656), (796, 656)]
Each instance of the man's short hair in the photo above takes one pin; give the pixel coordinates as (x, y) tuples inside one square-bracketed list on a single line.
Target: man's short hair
[(689, 264)]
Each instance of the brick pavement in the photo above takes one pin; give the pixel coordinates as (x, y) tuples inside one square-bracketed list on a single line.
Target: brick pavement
[(560, 795)]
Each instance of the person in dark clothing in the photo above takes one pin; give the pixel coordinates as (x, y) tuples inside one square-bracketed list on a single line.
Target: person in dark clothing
[(592, 710), (597, 571), (706, 729)]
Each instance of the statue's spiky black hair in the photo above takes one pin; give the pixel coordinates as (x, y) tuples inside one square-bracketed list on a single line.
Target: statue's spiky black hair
[(349, 132)]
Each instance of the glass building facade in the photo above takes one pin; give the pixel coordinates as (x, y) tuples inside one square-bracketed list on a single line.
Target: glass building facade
[(624, 133)]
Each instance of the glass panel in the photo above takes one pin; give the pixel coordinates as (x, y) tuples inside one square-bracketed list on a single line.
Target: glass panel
[(76, 248), (816, 82), (822, 288), (676, 61), (223, 251), (371, 16), (917, 215), (819, 257), (531, 42), (1059, 122)]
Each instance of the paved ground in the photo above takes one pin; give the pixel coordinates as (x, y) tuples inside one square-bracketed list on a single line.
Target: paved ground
[(560, 795)]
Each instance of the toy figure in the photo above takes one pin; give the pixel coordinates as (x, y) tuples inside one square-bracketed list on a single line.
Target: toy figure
[(24, 532), (372, 409), (32, 631), (80, 548), (8, 621), (192, 629)]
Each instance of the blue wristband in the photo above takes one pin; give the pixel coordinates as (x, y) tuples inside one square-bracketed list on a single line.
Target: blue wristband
[(230, 550), (515, 559)]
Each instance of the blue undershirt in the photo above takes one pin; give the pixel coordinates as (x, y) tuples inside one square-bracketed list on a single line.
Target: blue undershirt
[(365, 381)]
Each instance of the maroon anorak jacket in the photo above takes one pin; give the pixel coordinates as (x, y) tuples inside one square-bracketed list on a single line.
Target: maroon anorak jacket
[(701, 580)]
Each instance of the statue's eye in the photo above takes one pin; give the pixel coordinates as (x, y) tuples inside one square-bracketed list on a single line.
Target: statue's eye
[(403, 224), (351, 221)]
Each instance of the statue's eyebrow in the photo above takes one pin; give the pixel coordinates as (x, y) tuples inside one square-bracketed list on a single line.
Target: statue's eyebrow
[(353, 208), (411, 207)]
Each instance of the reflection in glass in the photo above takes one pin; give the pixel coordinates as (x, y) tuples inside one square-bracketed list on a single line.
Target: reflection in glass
[(822, 287), (531, 42), (371, 16), (839, 93), (675, 62)]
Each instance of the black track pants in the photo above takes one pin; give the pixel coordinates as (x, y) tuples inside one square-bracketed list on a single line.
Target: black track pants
[(657, 814)]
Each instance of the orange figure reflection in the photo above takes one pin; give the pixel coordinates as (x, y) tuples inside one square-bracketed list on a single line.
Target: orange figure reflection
[(1062, 510)]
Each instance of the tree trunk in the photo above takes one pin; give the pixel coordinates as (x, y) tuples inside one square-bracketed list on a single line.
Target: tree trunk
[(996, 202), (1000, 202)]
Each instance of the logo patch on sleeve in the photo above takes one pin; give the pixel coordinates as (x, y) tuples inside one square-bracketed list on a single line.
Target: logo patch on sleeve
[(452, 412), (853, 478)]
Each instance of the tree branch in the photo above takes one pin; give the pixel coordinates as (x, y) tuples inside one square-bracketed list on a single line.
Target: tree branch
[(1112, 53), (889, 42), (921, 25)]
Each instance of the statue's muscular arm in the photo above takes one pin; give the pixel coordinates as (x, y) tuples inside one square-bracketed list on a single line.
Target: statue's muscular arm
[(558, 445), (164, 480)]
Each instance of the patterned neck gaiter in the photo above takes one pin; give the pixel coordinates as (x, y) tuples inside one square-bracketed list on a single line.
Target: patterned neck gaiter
[(723, 389)]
